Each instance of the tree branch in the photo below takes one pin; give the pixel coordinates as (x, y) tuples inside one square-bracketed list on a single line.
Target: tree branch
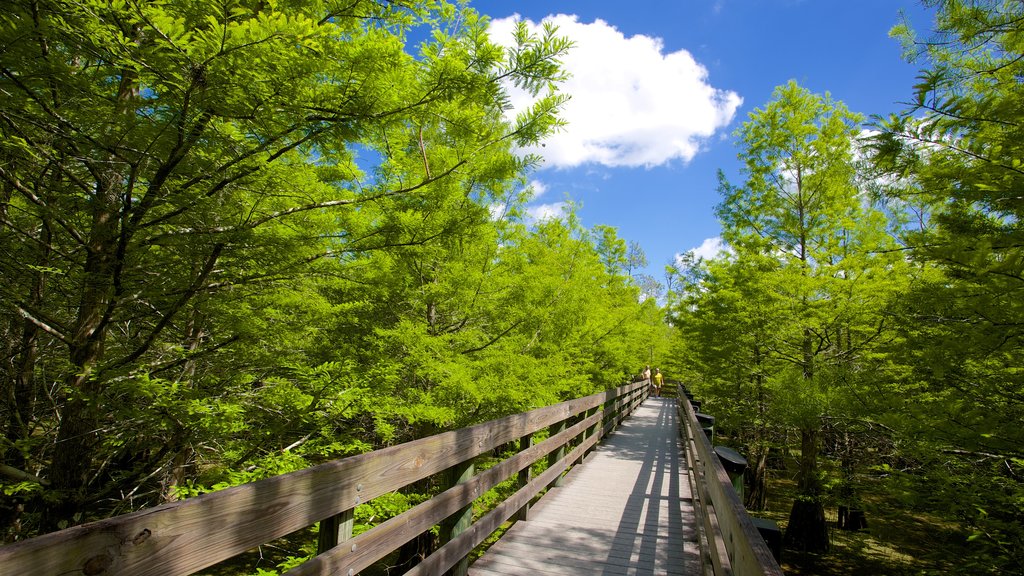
[(194, 288), (42, 325), (495, 339), (22, 476)]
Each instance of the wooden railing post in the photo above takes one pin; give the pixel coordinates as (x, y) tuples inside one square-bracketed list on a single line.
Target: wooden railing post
[(558, 454), (587, 432), (335, 530), (459, 522), (610, 418), (524, 478), (729, 541), (622, 407)]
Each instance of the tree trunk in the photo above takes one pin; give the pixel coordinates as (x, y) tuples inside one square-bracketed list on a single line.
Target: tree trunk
[(852, 519), (22, 392), (76, 440), (20, 389), (77, 433), (177, 474), (757, 499), (182, 463), (807, 529)]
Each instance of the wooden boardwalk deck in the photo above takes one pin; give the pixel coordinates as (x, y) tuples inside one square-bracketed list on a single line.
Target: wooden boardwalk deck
[(627, 511)]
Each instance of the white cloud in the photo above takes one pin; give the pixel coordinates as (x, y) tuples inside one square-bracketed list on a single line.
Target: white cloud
[(631, 104), (708, 249), (545, 212), (539, 188), (497, 210)]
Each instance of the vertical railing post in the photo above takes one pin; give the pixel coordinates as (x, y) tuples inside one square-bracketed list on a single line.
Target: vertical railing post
[(587, 432), (524, 477), (596, 425), (459, 522), (335, 530), (621, 407), (559, 453), (611, 416)]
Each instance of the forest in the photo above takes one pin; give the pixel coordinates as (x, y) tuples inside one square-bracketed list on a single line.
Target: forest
[(241, 238), (867, 320)]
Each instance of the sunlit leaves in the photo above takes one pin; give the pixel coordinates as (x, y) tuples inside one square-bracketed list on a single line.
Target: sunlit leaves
[(193, 194)]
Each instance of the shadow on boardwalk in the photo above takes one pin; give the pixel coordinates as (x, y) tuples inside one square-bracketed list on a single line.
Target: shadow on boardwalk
[(626, 511)]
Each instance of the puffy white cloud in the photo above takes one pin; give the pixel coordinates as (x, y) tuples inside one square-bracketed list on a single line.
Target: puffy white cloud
[(539, 188), (631, 103), (708, 249), (535, 213), (545, 211)]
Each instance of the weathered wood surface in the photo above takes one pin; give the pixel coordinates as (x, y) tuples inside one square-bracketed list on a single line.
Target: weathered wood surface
[(185, 537), (361, 551), (627, 511), (733, 544)]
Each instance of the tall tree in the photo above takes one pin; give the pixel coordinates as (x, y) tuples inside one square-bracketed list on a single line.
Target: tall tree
[(800, 206), (957, 151), (727, 317), (158, 159)]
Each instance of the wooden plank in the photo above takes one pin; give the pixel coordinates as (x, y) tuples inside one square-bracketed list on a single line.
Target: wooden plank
[(457, 523), (445, 556), (183, 537), (554, 457), (337, 528), (739, 542), (696, 488)]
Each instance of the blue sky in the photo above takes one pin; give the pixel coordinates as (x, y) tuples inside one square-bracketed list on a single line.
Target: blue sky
[(659, 87)]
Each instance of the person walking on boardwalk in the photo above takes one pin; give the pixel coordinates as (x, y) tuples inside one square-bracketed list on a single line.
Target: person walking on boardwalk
[(647, 372), (658, 381)]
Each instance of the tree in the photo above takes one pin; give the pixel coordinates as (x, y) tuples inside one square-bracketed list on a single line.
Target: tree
[(727, 315), (161, 160), (957, 152), (801, 207)]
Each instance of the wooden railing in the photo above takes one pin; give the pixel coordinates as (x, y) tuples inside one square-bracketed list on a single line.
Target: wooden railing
[(729, 541), (188, 536)]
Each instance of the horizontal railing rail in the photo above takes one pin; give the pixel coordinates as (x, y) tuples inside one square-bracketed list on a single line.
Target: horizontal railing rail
[(728, 538), (184, 537)]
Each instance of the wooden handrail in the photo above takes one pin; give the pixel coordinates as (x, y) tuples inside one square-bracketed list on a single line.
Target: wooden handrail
[(184, 537), (729, 539)]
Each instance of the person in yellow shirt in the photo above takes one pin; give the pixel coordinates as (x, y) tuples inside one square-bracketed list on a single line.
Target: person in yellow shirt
[(658, 381)]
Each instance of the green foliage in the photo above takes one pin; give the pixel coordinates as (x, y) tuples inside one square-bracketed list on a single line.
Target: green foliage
[(785, 329), (954, 157), (796, 307), (245, 238), (382, 509), (875, 305)]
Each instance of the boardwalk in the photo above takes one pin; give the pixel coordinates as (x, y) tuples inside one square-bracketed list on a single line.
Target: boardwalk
[(627, 511)]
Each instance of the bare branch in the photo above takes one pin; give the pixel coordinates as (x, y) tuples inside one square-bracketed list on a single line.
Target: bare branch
[(20, 475), (42, 325)]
